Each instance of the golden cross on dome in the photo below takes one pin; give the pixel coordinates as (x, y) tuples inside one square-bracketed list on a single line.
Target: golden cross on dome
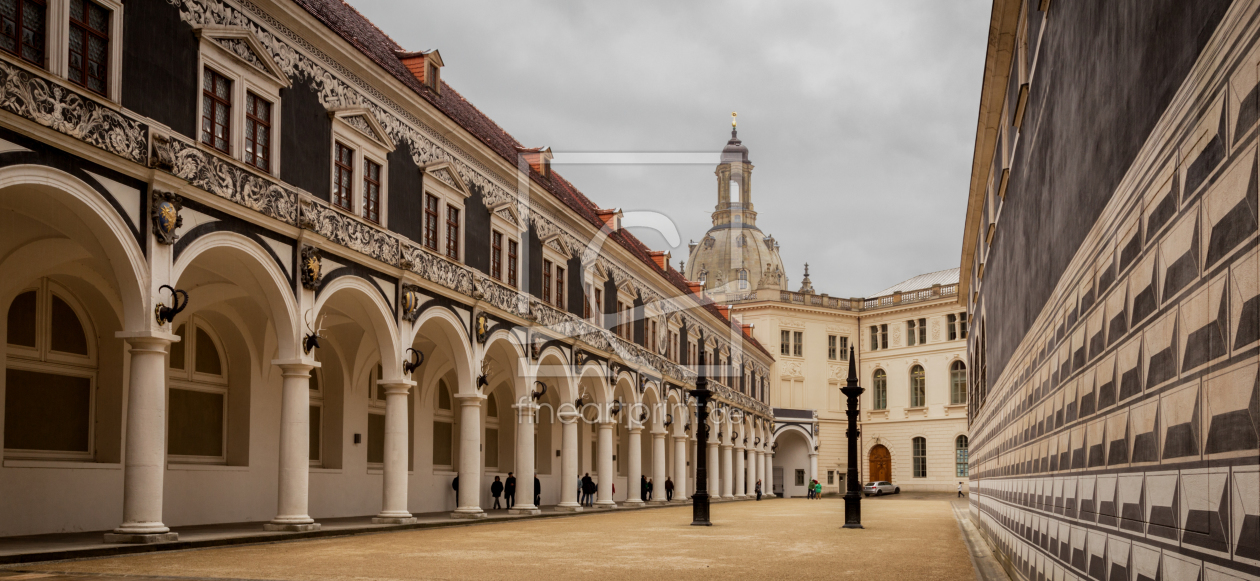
[(732, 118)]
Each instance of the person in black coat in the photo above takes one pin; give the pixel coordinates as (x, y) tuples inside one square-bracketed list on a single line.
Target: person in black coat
[(455, 487), (643, 487), (496, 488), (509, 491), (588, 489), (649, 487), (669, 488), (537, 492)]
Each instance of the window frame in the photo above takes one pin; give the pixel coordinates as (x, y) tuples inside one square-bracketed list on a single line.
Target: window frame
[(366, 148), (89, 32), (246, 78), (833, 347), (955, 373), (918, 454), (42, 359), (798, 343), (962, 454), (249, 136), (189, 379), (920, 389), (450, 197), (317, 401), (879, 390)]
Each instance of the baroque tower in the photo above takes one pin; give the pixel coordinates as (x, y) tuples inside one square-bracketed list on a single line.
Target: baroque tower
[(735, 259)]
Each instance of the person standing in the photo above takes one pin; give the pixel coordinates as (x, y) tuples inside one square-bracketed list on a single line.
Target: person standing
[(758, 489), (649, 489), (817, 490), (496, 489), (537, 492), (809, 491), (455, 487), (509, 491), (669, 489), (643, 487), (960, 494), (588, 488)]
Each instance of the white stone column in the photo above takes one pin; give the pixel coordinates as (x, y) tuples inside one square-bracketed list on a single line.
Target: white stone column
[(770, 467), (394, 478), (813, 466), (525, 459), (146, 441), (295, 448), (469, 456), (607, 471), (659, 473), (750, 481), (680, 469), (569, 448), (727, 472), (714, 458), (739, 471), (634, 446)]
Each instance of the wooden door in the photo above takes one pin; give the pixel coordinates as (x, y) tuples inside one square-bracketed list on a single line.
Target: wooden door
[(881, 464)]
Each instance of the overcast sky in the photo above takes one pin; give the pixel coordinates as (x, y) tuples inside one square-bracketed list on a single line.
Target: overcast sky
[(859, 116)]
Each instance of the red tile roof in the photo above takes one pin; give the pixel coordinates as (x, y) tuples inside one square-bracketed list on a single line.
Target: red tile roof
[(356, 29)]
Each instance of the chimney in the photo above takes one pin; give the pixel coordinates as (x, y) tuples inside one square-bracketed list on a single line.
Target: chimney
[(426, 65), (661, 258), (747, 328), (610, 218), (725, 310), (538, 158)]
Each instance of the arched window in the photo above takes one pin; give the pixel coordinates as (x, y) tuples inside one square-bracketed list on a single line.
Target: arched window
[(316, 419), (920, 457), (375, 418), (918, 387), (197, 397), (960, 456), (50, 376), (881, 390), (958, 383), (743, 278), (443, 428)]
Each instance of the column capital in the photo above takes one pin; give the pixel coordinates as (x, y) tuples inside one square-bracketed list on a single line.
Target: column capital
[(636, 429), (396, 386), (296, 367), (148, 339), (470, 399)]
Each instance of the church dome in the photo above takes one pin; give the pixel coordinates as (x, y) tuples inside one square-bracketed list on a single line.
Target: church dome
[(735, 257)]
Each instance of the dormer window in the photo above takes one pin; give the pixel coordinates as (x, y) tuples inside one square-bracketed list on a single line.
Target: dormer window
[(426, 66)]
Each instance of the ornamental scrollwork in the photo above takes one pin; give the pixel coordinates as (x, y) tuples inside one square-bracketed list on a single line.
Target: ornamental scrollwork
[(349, 232), (66, 111), (224, 179)]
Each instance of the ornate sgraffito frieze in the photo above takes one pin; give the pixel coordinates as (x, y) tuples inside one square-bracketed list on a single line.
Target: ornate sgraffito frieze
[(224, 179), (349, 232), (68, 112)]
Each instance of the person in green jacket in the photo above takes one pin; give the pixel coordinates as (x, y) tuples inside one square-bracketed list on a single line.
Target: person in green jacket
[(817, 489)]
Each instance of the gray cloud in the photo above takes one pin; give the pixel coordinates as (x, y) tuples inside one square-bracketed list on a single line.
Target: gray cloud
[(859, 116)]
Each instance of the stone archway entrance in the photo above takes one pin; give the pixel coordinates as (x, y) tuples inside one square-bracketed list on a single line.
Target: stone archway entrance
[(881, 464)]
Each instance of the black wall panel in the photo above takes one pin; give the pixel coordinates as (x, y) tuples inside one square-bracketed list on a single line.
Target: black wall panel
[(477, 232), (406, 194), (305, 140), (159, 72)]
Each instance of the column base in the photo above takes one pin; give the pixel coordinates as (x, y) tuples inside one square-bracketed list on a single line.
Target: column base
[(633, 503), (604, 504), (680, 501), (141, 539), (473, 513), (569, 508), (531, 510), (660, 502), (393, 520), (291, 527)]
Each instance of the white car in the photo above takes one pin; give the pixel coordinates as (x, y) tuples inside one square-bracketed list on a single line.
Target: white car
[(880, 488)]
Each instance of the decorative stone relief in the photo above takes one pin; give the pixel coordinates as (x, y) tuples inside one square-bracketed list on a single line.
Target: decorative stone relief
[(936, 330), (312, 270), (223, 178), (164, 210), (896, 335), (63, 110), (350, 232), (241, 49), (792, 323)]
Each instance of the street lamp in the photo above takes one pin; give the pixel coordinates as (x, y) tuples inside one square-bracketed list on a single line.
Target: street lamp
[(853, 495), (700, 500)]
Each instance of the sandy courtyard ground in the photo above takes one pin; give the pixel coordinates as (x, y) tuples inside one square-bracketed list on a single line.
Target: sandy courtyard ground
[(794, 539)]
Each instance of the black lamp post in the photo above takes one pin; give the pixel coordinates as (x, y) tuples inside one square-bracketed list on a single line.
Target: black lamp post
[(853, 494), (700, 500)]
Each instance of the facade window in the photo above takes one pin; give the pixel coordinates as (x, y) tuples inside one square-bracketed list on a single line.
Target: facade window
[(832, 347), (50, 376), (743, 280), (216, 111), (258, 132), (89, 45), (844, 348), (197, 398), (316, 424), (951, 322), (910, 334), (372, 190), (785, 342), (560, 287), (343, 177), (874, 337), (546, 281), (431, 222), (883, 336), (650, 340), (920, 457), (881, 389), (923, 331), (496, 255), (918, 387), (798, 343), (800, 477), (960, 456), (962, 325), (958, 383), (512, 262), (452, 233), (624, 320), (916, 332), (23, 25)]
